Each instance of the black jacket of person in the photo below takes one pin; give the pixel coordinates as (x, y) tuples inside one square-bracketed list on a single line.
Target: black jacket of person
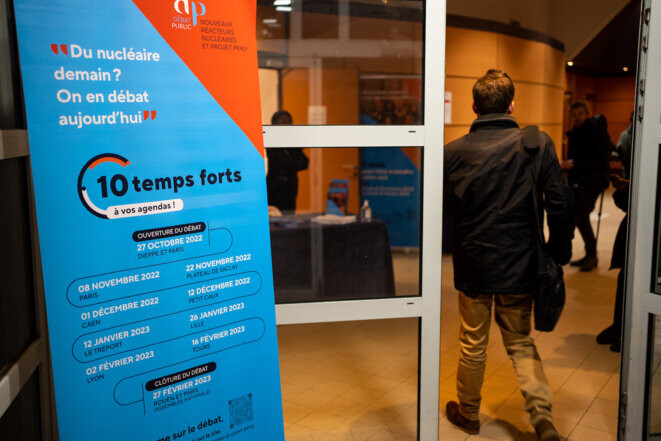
[(282, 177), (489, 191), (619, 256), (589, 147), (621, 199)]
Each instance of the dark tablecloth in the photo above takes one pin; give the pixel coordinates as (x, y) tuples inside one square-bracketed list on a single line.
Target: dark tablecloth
[(312, 261)]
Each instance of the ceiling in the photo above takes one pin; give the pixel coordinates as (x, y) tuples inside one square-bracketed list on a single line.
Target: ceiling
[(614, 48), (600, 37)]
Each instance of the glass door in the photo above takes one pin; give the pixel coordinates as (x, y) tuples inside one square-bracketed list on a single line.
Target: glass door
[(353, 122), (641, 355)]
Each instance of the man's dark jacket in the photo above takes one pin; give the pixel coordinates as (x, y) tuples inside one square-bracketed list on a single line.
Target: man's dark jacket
[(282, 177), (489, 191), (589, 147)]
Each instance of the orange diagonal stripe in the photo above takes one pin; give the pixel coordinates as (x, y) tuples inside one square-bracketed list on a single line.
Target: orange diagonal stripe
[(101, 160)]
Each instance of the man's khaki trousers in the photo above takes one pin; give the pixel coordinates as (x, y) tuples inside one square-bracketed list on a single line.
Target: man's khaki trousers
[(513, 317)]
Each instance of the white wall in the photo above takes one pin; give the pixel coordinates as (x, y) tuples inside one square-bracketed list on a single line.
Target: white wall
[(268, 84)]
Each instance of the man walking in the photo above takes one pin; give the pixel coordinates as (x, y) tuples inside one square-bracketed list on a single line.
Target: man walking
[(489, 190)]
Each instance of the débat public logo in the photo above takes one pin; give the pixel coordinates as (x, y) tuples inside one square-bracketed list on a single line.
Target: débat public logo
[(188, 11)]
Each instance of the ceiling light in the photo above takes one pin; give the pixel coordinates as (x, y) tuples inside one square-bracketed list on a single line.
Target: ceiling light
[(270, 20), (625, 69), (283, 8), (570, 63), (281, 2)]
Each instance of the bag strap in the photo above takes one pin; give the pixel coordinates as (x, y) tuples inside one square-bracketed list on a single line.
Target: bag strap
[(532, 142)]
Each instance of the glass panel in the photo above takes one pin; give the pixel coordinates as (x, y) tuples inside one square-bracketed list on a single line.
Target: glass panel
[(345, 222), (17, 309), (341, 61), (22, 420), (654, 392), (350, 380)]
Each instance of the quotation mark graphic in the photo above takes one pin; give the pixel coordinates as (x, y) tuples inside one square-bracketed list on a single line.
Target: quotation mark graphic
[(146, 114), (63, 47)]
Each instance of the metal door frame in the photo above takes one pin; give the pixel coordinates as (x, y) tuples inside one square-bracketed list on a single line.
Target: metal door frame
[(36, 358)]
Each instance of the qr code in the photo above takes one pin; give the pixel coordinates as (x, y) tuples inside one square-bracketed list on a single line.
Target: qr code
[(240, 410)]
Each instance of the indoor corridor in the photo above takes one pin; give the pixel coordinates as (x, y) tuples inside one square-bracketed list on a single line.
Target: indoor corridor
[(358, 380)]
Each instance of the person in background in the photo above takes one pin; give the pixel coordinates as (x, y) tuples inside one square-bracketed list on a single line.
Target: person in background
[(283, 167), (623, 149), (488, 190), (612, 335), (588, 168)]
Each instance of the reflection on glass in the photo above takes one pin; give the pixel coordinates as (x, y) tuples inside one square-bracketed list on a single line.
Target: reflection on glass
[(390, 99), (341, 61), (324, 250), (22, 420)]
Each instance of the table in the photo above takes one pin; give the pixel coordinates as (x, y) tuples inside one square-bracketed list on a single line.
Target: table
[(315, 262)]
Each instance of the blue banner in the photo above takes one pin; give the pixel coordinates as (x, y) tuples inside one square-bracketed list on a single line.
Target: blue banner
[(145, 137), (390, 182)]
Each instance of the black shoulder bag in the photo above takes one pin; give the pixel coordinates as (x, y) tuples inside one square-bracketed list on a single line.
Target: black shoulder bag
[(550, 294)]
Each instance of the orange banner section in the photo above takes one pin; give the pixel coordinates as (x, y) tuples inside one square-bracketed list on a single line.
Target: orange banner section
[(220, 53)]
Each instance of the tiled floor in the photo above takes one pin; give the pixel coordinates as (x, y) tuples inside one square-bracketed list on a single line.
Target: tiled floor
[(357, 381)]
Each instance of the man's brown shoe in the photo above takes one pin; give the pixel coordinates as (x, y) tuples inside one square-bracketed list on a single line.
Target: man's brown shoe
[(546, 431), (456, 418)]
